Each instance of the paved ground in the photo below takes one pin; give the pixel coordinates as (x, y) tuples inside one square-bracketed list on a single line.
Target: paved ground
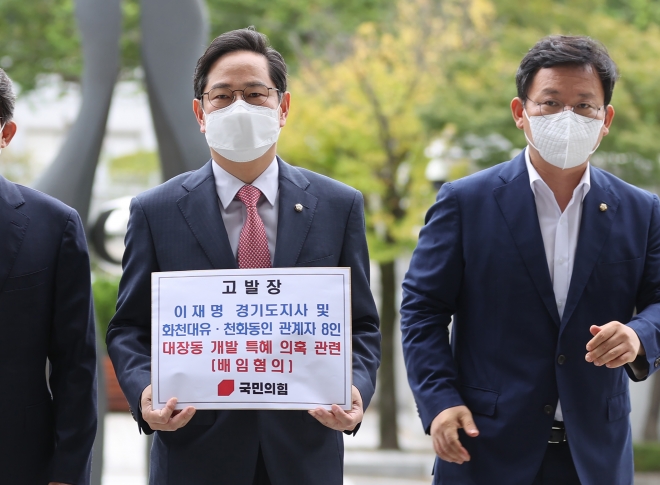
[(647, 479)]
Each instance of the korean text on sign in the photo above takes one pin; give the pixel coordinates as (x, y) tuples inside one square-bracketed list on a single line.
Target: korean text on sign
[(252, 339)]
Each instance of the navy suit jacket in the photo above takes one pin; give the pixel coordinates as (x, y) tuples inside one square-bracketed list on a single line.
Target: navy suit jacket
[(481, 259), (178, 226), (46, 311)]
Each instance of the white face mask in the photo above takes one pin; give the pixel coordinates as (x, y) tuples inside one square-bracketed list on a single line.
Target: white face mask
[(565, 139), (2, 128), (242, 132)]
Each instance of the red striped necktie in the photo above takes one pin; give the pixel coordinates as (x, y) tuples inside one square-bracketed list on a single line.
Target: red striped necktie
[(252, 245)]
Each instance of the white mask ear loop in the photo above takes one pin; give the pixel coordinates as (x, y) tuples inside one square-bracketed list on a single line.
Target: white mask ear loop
[(597, 144), (526, 137)]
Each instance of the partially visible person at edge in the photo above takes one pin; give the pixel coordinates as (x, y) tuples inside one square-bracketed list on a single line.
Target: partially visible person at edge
[(542, 262), (199, 220), (46, 312)]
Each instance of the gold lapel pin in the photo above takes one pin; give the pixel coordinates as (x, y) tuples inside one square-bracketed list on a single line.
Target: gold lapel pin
[(299, 207), (603, 207)]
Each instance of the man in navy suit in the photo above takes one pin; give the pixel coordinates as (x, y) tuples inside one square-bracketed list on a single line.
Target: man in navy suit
[(46, 312), (550, 268), (201, 220)]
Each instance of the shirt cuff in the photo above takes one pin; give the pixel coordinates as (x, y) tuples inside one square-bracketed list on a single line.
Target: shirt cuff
[(640, 367)]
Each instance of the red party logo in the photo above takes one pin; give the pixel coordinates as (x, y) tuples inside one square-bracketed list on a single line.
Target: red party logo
[(225, 388)]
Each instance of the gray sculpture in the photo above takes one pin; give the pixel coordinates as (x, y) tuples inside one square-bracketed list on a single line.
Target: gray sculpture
[(174, 33), (71, 175), (174, 36)]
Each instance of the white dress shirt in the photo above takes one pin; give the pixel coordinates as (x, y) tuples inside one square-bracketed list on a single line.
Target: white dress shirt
[(234, 212), (560, 231)]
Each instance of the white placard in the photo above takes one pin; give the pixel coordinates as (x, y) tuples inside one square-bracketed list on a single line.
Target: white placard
[(271, 338)]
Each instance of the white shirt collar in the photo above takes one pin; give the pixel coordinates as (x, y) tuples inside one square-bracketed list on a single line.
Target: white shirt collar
[(535, 179), (228, 186)]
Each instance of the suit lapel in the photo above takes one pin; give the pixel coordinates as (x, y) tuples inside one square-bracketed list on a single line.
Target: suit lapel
[(13, 227), (594, 231), (202, 213), (516, 201), (292, 226)]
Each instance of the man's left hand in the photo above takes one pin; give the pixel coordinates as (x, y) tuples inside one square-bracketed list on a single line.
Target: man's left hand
[(339, 419), (613, 345)]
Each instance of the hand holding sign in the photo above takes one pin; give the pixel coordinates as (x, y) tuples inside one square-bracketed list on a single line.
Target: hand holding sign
[(339, 419), (166, 419)]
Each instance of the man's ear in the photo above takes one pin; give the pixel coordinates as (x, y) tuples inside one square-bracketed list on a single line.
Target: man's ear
[(609, 116), (285, 104), (7, 134), (198, 109), (517, 108)]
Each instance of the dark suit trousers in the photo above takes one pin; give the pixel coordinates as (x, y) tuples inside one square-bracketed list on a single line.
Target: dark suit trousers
[(261, 474), (557, 467)]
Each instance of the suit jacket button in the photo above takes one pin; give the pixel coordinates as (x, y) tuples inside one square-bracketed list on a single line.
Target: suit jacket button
[(561, 359), (657, 362), (547, 409)]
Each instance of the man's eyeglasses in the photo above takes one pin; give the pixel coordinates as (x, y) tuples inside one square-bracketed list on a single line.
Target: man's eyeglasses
[(255, 95), (551, 107)]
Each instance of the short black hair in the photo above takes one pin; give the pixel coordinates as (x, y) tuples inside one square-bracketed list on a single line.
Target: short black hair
[(557, 50), (240, 40), (7, 98)]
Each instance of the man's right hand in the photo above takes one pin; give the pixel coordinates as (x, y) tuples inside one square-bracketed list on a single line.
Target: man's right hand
[(166, 419), (444, 431)]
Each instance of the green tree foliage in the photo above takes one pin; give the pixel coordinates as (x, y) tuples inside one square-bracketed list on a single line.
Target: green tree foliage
[(299, 28), (41, 37), (640, 13), (475, 82), (447, 70), (478, 83), (38, 37), (105, 290), (140, 167), (358, 120)]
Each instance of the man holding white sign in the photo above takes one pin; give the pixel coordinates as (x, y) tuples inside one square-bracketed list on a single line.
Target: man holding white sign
[(246, 208)]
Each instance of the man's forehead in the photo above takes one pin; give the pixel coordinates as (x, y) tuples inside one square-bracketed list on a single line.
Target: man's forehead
[(583, 93), (240, 68), (579, 80)]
